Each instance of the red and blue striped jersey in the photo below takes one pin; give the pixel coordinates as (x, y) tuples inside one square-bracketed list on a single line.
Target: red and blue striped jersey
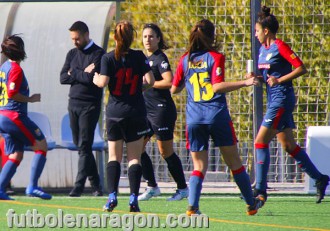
[(13, 81), (204, 69), (277, 60)]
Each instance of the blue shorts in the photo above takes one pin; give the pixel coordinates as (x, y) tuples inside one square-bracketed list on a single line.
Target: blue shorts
[(127, 129), (18, 131), (279, 116), (222, 133)]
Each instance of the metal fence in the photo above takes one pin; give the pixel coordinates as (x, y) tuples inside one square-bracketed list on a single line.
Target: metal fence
[(304, 25)]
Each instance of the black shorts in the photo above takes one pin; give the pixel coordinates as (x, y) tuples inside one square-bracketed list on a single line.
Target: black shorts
[(161, 121), (128, 129)]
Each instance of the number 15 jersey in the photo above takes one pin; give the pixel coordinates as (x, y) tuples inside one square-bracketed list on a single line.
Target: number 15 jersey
[(204, 69)]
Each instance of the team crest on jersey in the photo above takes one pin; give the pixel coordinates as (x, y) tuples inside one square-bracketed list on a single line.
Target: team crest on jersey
[(12, 86), (151, 63), (293, 56), (164, 65), (269, 56), (37, 132), (218, 71)]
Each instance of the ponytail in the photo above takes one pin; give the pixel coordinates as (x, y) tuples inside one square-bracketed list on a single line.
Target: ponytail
[(202, 37), (124, 36)]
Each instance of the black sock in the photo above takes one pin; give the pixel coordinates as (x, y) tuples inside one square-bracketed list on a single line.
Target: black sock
[(113, 176), (174, 165), (134, 177), (148, 170)]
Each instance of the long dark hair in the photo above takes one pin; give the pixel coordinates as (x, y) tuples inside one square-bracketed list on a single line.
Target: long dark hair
[(13, 48), (267, 20), (202, 37), (162, 44), (124, 35)]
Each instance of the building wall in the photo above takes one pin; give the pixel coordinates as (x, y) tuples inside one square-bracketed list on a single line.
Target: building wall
[(44, 28)]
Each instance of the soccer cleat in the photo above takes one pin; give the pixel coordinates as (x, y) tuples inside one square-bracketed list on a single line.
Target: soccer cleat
[(148, 193), (133, 204), (261, 195), (9, 190), (37, 192), (134, 209), (321, 186), (179, 195), (111, 203), (193, 210), (253, 209), (5, 197)]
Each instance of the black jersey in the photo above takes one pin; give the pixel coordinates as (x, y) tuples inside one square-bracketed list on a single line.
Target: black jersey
[(125, 84), (159, 64)]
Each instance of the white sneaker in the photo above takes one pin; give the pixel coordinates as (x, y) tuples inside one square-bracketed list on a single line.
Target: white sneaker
[(150, 192), (179, 195)]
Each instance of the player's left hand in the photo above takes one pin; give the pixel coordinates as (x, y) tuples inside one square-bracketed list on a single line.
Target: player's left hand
[(145, 84), (272, 81)]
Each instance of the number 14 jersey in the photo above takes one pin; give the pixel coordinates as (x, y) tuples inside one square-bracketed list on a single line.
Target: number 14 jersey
[(125, 84)]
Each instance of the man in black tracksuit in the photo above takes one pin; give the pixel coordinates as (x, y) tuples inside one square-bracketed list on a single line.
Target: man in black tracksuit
[(84, 103)]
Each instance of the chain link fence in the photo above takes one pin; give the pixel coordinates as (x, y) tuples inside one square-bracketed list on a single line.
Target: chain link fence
[(304, 25)]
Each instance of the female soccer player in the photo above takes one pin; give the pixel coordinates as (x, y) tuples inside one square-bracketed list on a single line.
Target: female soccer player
[(161, 114), (124, 70), (275, 63), (15, 126), (201, 71)]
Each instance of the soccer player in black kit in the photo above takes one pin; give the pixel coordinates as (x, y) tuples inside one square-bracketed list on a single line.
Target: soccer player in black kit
[(161, 114), (125, 71), (84, 103)]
